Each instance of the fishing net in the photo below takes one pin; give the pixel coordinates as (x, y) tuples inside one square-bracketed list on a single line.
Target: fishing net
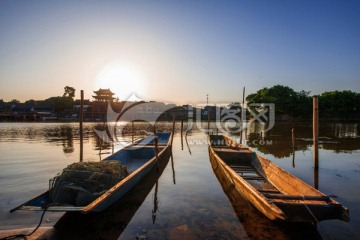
[(81, 183)]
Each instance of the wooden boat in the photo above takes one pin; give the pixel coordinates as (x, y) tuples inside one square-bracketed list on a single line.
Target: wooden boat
[(109, 223), (273, 191), (139, 158), (256, 224)]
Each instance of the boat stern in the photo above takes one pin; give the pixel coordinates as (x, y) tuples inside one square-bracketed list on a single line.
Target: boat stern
[(345, 215)]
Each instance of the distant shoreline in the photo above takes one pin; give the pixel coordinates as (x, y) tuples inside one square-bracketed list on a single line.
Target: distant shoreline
[(309, 120)]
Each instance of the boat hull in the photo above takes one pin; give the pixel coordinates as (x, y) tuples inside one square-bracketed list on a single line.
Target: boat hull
[(140, 157), (274, 192)]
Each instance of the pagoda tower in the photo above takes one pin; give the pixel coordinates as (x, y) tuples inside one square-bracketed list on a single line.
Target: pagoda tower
[(103, 95)]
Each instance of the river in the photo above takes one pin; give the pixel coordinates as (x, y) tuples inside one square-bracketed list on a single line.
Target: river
[(188, 200)]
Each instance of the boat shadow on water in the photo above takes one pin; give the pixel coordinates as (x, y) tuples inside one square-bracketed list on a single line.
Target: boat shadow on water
[(256, 225), (110, 223)]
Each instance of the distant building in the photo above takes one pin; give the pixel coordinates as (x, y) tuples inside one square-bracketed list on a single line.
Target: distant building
[(104, 95)]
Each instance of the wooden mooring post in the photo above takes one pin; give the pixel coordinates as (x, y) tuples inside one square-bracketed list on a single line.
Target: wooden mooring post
[(173, 130), (316, 132), (173, 168), (293, 146), (181, 129), (156, 142), (208, 127), (242, 117), (132, 132), (316, 140), (81, 124)]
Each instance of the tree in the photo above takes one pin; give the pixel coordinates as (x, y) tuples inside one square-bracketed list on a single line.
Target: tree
[(14, 101), (61, 104), (339, 104), (69, 92), (286, 100), (30, 102), (234, 106)]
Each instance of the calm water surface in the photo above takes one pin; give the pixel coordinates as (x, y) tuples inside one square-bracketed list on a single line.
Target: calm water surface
[(188, 200)]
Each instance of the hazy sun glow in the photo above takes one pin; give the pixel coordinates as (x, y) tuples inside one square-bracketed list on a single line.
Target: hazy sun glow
[(124, 78)]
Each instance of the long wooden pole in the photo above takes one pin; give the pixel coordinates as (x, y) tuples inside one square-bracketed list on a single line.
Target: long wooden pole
[(173, 130), (316, 132), (242, 116), (173, 168), (156, 141), (132, 131), (316, 178), (181, 129), (208, 120), (293, 146), (81, 125)]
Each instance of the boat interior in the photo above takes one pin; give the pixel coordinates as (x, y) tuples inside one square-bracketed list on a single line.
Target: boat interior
[(137, 155), (248, 166), (134, 157)]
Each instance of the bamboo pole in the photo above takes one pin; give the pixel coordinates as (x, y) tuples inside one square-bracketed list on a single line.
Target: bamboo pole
[(242, 116), (316, 132), (293, 146), (132, 132), (182, 127), (156, 140), (208, 121), (208, 112), (316, 178), (81, 124), (173, 130)]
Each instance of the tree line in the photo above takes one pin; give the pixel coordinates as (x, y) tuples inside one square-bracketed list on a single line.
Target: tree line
[(333, 105), (60, 104)]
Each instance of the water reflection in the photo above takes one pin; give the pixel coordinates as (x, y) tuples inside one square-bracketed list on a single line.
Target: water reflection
[(156, 202), (186, 140), (277, 141), (198, 206), (173, 168), (339, 137)]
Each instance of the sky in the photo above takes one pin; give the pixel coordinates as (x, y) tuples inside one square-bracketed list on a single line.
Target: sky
[(177, 51)]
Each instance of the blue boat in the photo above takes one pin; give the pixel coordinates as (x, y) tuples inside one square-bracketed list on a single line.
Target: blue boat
[(138, 158)]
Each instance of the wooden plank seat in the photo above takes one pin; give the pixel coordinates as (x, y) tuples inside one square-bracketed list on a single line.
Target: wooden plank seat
[(297, 197), (269, 191), (253, 177)]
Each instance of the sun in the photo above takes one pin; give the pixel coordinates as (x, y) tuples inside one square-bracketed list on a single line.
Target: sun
[(124, 78)]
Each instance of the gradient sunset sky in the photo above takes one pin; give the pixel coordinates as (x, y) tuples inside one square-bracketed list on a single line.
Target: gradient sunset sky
[(177, 51)]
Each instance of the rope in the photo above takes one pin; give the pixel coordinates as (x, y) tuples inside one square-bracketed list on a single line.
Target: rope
[(21, 235), (317, 221)]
